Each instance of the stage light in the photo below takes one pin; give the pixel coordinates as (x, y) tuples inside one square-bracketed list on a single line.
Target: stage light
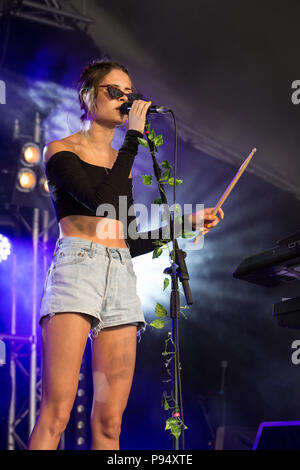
[(26, 180), (44, 188), (5, 248), (31, 154)]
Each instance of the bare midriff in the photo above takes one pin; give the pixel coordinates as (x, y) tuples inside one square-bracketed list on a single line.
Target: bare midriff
[(107, 232)]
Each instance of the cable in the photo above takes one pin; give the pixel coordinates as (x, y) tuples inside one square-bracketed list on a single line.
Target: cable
[(177, 355)]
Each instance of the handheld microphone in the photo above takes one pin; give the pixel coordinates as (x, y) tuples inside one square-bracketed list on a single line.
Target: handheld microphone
[(154, 109)]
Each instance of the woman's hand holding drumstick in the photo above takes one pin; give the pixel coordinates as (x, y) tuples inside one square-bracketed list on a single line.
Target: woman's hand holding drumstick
[(205, 219)]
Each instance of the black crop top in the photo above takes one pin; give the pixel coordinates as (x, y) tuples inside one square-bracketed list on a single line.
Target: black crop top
[(79, 188)]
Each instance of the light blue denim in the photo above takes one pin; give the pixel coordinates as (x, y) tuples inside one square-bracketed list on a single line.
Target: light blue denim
[(90, 278)]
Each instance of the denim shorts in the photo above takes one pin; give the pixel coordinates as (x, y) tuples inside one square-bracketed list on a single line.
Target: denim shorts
[(90, 278)]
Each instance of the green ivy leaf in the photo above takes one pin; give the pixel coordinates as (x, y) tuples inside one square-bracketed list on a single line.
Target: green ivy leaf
[(147, 179), (157, 323), (165, 404), (157, 252), (174, 427), (165, 164), (166, 282), (187, 234), (160, 310), (158, 141), (171, 182), (158, 201), (170, 422), (143, 142), (151, 135), (176, 431), (166, 174), (160, 242)]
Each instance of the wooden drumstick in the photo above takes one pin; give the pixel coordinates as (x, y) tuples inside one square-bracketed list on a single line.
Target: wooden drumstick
[(229, 189)]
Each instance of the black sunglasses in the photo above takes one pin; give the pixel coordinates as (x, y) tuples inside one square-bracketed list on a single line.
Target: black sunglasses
[(116, 93)]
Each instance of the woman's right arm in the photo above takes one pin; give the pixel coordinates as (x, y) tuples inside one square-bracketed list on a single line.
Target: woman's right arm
[(64, 168)]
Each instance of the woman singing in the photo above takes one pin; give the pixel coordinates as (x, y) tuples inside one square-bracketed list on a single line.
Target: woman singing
[(91, 285)]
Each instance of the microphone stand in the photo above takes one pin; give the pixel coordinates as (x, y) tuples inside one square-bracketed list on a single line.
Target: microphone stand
[(177, 270)]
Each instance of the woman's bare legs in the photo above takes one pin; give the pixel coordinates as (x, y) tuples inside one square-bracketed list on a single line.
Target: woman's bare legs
[(64, 340), (114, 354)]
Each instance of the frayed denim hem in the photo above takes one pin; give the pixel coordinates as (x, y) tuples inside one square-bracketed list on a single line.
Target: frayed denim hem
[(140, 331), (96, 330)]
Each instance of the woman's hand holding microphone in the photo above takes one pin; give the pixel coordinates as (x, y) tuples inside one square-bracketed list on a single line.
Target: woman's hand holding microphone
[(137, 115)]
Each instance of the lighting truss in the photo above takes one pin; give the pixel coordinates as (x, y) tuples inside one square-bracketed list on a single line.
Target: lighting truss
[(48, 12), (25, 347), (23, 360)]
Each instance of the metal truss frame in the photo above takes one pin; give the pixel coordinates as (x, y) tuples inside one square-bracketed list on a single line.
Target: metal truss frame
[(48, 12), (17, 413)]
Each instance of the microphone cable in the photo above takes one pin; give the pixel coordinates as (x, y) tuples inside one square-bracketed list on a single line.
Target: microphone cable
[(177, 338)]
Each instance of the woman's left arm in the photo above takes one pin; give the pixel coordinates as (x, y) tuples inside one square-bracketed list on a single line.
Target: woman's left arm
[(145, 242)]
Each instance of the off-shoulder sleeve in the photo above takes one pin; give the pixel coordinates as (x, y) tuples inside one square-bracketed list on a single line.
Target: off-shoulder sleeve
[(64, 167)]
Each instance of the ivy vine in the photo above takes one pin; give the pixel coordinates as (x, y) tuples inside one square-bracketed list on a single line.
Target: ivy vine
[(174, 422)]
